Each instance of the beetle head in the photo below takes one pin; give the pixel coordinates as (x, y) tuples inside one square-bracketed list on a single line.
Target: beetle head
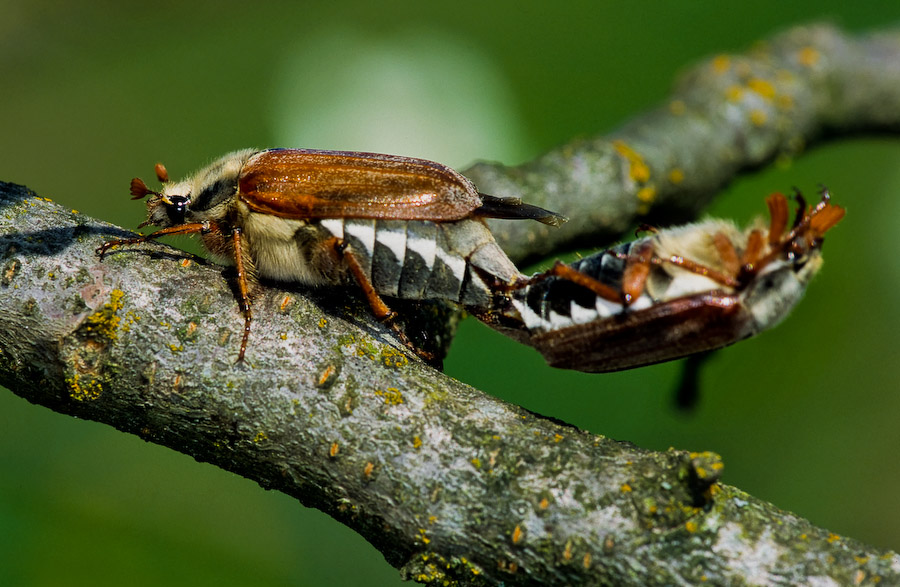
[(795, 257), (206, 195)]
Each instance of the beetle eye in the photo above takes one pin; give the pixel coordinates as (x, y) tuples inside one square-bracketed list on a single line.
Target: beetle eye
[(177, 208)]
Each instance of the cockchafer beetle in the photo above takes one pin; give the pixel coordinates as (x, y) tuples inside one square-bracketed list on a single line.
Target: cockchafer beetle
[(680, 291), (397, 226)]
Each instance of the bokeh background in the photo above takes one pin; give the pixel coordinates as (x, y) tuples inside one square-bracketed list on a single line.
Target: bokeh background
[(92, 94)]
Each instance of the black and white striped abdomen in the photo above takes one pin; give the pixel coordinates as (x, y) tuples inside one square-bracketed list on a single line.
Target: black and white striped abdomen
[(420, 259), (556, 303)]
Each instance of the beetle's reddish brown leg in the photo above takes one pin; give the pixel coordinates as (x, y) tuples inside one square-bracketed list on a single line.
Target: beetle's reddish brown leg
[(699, 269), (381, 310), (192, 228), (637, 268), (727, 253), (752, 252), (563, 271), (243, 289)]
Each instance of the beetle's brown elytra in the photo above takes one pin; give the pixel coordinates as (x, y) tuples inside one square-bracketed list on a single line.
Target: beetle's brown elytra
[(407, 228)]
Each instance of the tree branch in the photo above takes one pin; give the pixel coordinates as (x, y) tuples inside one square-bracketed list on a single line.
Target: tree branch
[(727, 114), (448, 483)]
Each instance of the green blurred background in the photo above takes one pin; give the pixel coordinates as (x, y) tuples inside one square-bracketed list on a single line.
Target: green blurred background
[(91, 95)]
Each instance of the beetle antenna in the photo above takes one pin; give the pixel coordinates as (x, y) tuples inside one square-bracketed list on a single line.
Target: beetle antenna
[(139, 189), (161, 173)]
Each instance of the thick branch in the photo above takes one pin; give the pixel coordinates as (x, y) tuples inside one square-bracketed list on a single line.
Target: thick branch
[(447, 482)]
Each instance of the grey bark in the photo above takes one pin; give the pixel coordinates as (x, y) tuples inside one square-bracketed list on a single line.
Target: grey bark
[(448, 483)]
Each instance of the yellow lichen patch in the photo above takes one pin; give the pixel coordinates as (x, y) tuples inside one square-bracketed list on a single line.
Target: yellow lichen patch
[(85, 390), (417, 442), (476, 462), (638, 169), (544, 503), (586, 560), (391, 396), (677, 107), (323, 322), (758, 117), (690, 526), (567, 553), (832, 538), (626, 488), (334, 449), (260, 437), (676, 176), (368, 469), (861, 559), (557, 437), (721, 64), (104, 323), (762, 87), (423, 536), (808, 56), (185, 262), (393, 358)]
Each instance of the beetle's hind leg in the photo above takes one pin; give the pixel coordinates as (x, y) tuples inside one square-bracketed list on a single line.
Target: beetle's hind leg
[(379, 308), (634, 278)]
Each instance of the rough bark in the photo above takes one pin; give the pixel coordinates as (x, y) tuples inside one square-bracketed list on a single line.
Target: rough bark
[(449, 483)]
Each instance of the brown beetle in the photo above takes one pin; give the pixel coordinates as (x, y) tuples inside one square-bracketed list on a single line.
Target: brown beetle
[(397, 226)]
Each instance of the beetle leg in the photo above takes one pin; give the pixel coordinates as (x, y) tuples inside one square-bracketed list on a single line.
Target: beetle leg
[(637, 269), (753, 251), (240, 265), (563, 271), (727, 253), (191, 228), (381, 310), (699, 269)]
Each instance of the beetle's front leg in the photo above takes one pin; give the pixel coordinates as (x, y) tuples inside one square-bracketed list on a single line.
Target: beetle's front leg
[(191, 228)]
